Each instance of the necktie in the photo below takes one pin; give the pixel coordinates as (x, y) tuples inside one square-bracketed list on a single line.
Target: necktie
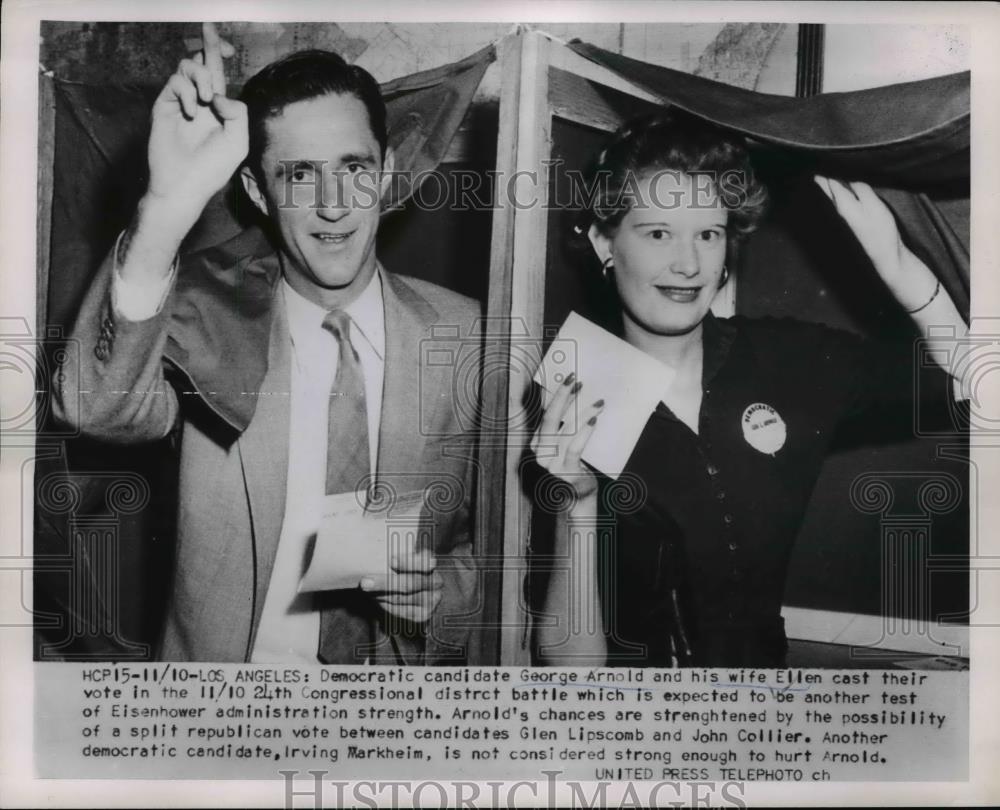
[(348, 462), (346, 617)]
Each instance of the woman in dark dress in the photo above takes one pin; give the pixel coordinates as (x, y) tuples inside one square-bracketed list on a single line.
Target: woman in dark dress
[(692, 568)]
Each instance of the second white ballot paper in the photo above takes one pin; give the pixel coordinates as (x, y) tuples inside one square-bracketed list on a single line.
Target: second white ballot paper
[(630, 382), (354, 542)]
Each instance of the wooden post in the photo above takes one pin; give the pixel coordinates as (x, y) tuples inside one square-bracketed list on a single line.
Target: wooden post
[(493, 436), (43, 235), (517, 283), (534, 147)]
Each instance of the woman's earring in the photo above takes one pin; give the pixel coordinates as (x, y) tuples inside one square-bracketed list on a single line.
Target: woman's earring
[(724, 277), (609, 264)]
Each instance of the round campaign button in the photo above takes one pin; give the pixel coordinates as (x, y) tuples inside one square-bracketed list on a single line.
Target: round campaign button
[(763, 428)]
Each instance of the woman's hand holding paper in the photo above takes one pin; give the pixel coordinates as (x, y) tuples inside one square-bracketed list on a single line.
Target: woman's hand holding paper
[(562, 436), (558, 445)]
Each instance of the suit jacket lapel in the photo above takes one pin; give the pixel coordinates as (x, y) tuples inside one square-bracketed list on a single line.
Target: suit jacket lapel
[(263, 448), (401, 440)]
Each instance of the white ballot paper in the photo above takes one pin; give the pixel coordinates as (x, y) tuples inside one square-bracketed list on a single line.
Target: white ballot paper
[(354, 542), (630, 382)]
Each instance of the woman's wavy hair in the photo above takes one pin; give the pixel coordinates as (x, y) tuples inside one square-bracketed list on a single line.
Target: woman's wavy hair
[(672, 141)]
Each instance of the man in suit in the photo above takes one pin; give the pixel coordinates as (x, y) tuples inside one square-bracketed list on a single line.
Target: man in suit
[(290, 366)]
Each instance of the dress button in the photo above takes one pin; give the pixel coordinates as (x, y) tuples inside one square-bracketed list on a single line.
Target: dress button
[(733, 546), (727, 519), (712, 469), (101, 351), (720, 495)]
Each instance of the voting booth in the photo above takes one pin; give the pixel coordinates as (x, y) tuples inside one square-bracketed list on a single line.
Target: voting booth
[(911, 142), (558, 103)]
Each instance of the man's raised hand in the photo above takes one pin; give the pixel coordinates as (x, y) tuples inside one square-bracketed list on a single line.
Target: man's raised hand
[(199, 136)]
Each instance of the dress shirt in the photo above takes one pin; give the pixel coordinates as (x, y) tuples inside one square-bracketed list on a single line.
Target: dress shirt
[(289, 623)]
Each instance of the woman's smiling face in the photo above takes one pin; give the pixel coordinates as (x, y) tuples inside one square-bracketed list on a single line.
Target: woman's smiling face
[(668, 252)]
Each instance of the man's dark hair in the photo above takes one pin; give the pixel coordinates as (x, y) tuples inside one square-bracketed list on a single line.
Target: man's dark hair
[(301, 76)]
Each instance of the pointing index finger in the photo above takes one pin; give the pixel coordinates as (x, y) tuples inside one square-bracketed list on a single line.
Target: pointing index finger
[(213, 57)]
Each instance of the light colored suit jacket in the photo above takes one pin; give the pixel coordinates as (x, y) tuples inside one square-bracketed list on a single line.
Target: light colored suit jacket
[(214, 365)]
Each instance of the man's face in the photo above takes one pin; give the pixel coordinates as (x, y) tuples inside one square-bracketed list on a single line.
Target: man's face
[(321, 188)]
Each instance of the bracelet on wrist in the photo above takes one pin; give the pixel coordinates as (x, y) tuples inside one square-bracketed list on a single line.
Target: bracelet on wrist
[(937, 289)]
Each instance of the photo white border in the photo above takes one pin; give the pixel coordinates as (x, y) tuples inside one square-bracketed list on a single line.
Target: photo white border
[(18, 138)]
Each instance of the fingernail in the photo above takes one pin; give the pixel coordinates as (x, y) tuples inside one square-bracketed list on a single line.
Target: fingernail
[(593, 420), (576, 387), (367, 584), (570, 378), (599, 403)]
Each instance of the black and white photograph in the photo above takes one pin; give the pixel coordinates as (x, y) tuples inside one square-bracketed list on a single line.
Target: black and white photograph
[(597, 402)]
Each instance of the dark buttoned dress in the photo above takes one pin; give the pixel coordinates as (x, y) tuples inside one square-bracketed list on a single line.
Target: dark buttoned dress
[(698, 531)]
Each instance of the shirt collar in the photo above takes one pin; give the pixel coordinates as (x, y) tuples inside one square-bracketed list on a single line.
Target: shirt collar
[(305, 318)]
